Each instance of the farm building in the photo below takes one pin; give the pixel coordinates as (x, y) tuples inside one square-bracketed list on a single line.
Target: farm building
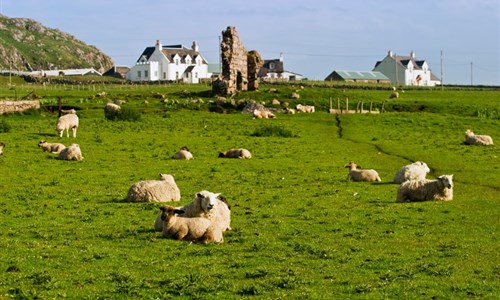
[(117, 71), (406, 70), (67, 72), (358, 76), (173, 63), (274, 69)]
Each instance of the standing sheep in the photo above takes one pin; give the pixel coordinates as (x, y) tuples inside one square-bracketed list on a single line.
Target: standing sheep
[(305, 108), (2, 145), (183, 153), (162, 190), (472, 139), (72, 152), (414, 171), (51, 147), (236, 153), (189, 229), (423, 190), (111, 111), (361, 175), (67, 122)]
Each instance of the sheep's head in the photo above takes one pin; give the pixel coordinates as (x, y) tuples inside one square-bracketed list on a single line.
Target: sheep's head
[(446, 180), (469, 132), (41, 143), (222, 154), (352, 166), (208, 200), (185, 148), (168, 211), (168, 178), (423, 165), (2, 145)]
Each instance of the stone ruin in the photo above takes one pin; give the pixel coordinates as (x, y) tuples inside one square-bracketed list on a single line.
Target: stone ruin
[(239, 67)]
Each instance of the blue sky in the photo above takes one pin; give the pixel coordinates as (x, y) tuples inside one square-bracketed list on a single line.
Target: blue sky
[(315, 37)]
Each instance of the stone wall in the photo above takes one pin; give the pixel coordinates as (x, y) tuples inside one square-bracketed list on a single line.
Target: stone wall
[(10, 106)]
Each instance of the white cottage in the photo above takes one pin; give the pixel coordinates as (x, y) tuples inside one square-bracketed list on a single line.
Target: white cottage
[(169, 63), (406, 70)]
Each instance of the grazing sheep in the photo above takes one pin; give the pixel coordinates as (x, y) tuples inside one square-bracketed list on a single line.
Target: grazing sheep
[(189, 229), (394, 95), (236, 153), (51, 147), (472, 139), (207, 205), (361, 175), (68, 111), (2, 145), (263, 114), (183, 153), (162, 190), (67, 122), (414, 171), (111, 110), (423, 190), (305, 108), (72, 152)]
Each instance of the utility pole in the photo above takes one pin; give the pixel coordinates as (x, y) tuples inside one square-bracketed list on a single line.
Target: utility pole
[(442, 81), (471, 74), (396, 68)]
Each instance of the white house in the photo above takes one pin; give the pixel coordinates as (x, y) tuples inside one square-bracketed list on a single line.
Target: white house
[(169, 63), (406, 70), (274, 69)]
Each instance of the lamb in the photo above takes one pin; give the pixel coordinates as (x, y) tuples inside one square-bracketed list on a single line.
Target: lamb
[(305, 108), (67, 122), (183, 153), (208, 205), (414, 171), (423, 190), (2, 145), (73, 152), (263, 114), (236, 153), (162, 190), (51, 147), (361, 175), (472, 139), (189, 229)]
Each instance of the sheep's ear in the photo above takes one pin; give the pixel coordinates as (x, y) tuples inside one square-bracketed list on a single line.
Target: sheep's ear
[(162, 208), (179, 211), (199, 195)]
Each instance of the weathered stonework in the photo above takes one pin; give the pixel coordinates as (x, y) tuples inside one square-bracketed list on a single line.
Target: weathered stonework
[(9, 106)]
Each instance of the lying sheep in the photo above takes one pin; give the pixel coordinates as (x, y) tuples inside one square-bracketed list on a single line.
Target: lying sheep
[(263, 114), (305, 108), (236, 153), (72, 152), (472, 139), (423, 190), (414, 171), (183, 153), (2, 145), (162, 190), (51, 147), (189, 229), (289, 111), (361, 175), (67, 122), (207, 205)]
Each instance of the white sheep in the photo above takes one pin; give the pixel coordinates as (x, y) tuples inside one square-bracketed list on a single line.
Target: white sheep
[(51, 147), (67, 122), (263, 114), (183, 153), (236, 153), (289, 111), (305, 108), (73, 152), (361, 175), (162, 190), (414, 171), (111, 110), (394, 95), (207, 205), (472, 139), (423, 190), (68, 111), (196, 229), (2, 145)]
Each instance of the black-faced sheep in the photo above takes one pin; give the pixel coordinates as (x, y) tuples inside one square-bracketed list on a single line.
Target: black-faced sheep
[(361, 175), (305, 108), (414, 171), (73, 152), (67, 122), (162, 190), (51, 147), (2, 145), (196, 229), (236, 153), (183, 153), (440, 189), (472, 139)]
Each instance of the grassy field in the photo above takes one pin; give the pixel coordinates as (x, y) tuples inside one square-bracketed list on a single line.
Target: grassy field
[(300, 229)]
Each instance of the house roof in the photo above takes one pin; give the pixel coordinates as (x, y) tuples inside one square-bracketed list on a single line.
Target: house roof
[(171, 50), (405, 60), (356, 75), (271, 66)]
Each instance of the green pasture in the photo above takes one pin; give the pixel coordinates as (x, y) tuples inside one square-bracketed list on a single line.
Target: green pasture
[(300, 230)]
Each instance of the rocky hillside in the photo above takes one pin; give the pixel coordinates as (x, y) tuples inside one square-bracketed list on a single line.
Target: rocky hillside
[(27, 45)]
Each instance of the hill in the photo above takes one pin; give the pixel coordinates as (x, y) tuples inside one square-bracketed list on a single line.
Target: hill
[(27, 45)]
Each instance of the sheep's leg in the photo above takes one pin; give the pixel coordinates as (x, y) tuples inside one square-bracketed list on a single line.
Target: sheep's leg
[(74, 132)]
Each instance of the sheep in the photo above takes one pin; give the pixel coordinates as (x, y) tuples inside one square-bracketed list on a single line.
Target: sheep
[(111, 110), (263, 114), (73, 152), (414, 171), (236, 153), (289, 111), (423, 190), (361, 175), (197, 229), (2, 145), (183, 153), (162, 190), (51, 147), (305, 108), (68, 111), (207, 205), (472, 139), (394, 95), (67, 122)]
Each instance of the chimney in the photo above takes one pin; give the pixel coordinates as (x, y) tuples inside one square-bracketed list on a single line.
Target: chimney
[(158, 45), (389, 53), (281, 56), (194, 46), (412, 54)]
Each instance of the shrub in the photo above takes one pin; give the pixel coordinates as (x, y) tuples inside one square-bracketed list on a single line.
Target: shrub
[(124, 114), (4, 126)]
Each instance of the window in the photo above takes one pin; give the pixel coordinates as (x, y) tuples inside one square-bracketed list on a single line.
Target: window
[(164, 75), (196, 75), (146, 74), (271, 66), (176, 75), (139, 74), (177, 61)]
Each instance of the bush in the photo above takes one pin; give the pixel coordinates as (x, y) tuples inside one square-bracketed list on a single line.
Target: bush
[(273, 130), (4, 126), (129, 114)]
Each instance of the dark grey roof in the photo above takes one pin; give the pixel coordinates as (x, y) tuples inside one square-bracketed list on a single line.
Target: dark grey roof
[(171, 50)]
